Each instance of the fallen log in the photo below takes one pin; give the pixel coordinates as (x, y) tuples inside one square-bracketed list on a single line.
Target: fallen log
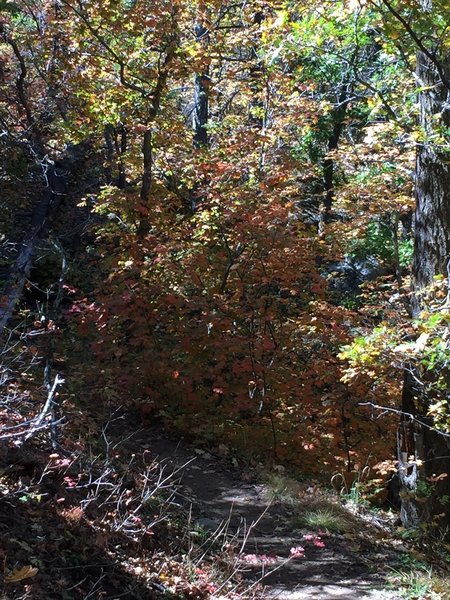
[(56, 178)]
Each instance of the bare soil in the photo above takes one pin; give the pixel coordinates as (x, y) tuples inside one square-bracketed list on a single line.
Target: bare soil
[(351, 565)]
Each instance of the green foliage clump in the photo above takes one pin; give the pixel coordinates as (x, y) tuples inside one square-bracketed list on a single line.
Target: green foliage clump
[(378, 241), (327, 518)]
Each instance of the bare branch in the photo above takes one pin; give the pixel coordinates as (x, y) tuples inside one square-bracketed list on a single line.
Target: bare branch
[(37, 424), (20, 80), (403, 414)]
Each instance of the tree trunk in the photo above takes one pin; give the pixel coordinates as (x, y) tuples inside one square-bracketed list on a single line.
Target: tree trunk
[(432, 216), (200, 112), (338, 116), (431, 258), (146, 186), (115, 150)]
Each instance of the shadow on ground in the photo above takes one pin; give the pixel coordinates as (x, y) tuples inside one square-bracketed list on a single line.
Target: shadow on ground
[(350, 567)]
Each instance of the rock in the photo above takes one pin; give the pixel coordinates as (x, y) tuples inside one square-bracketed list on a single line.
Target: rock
[(347, 275), (208, 524)]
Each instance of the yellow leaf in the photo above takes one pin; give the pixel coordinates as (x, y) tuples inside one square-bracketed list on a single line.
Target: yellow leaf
[(23, 573)]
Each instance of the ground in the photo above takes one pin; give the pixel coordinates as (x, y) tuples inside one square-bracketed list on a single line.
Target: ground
[(147, 515), (351, 565)]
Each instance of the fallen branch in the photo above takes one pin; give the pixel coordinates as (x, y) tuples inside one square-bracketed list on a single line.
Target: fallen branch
[(56, 177), (48, 407), (39, 225), (37, 424), (18, 434)]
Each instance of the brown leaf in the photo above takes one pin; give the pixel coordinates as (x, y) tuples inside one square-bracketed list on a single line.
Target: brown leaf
[(23, 573)]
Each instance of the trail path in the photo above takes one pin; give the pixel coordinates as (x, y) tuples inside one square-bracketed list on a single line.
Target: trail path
[(349, 567)]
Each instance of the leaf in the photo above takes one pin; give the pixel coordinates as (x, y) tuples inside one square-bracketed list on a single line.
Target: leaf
[(23, 573), (268, 344)]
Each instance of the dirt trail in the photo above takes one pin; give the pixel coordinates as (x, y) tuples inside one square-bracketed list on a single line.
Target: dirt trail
[(348, 567)]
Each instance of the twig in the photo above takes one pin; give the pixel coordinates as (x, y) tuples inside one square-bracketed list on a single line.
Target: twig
[(403, 414), (17, 434), (48, 406)]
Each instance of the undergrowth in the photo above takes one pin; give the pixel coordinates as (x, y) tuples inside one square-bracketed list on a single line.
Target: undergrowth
[(417, 580), (104, 523), (311, 507)]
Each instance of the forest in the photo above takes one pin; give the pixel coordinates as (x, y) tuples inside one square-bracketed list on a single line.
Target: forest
[(224, 224)]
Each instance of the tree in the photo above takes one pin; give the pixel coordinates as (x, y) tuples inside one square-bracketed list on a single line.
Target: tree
[(420, 28), (432, 235)]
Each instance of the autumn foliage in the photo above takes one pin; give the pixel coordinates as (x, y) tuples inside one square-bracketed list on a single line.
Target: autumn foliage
[(208, 293)]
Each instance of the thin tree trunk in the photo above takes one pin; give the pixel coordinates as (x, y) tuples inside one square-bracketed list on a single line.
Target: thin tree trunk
[(144, 225), (121, 149), (333, 142), (109, 142), (200, 112)]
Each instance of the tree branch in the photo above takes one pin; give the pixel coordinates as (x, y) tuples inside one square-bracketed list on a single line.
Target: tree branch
[(20, 80), (48, 406), (419, 43), (403, 414)]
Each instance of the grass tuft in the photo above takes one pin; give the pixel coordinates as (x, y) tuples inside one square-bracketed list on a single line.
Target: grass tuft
[(329, 517), (420, 583), (282, 489)]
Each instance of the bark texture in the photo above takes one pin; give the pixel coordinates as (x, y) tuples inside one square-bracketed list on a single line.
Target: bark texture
[(432, 216), (423, 452)]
